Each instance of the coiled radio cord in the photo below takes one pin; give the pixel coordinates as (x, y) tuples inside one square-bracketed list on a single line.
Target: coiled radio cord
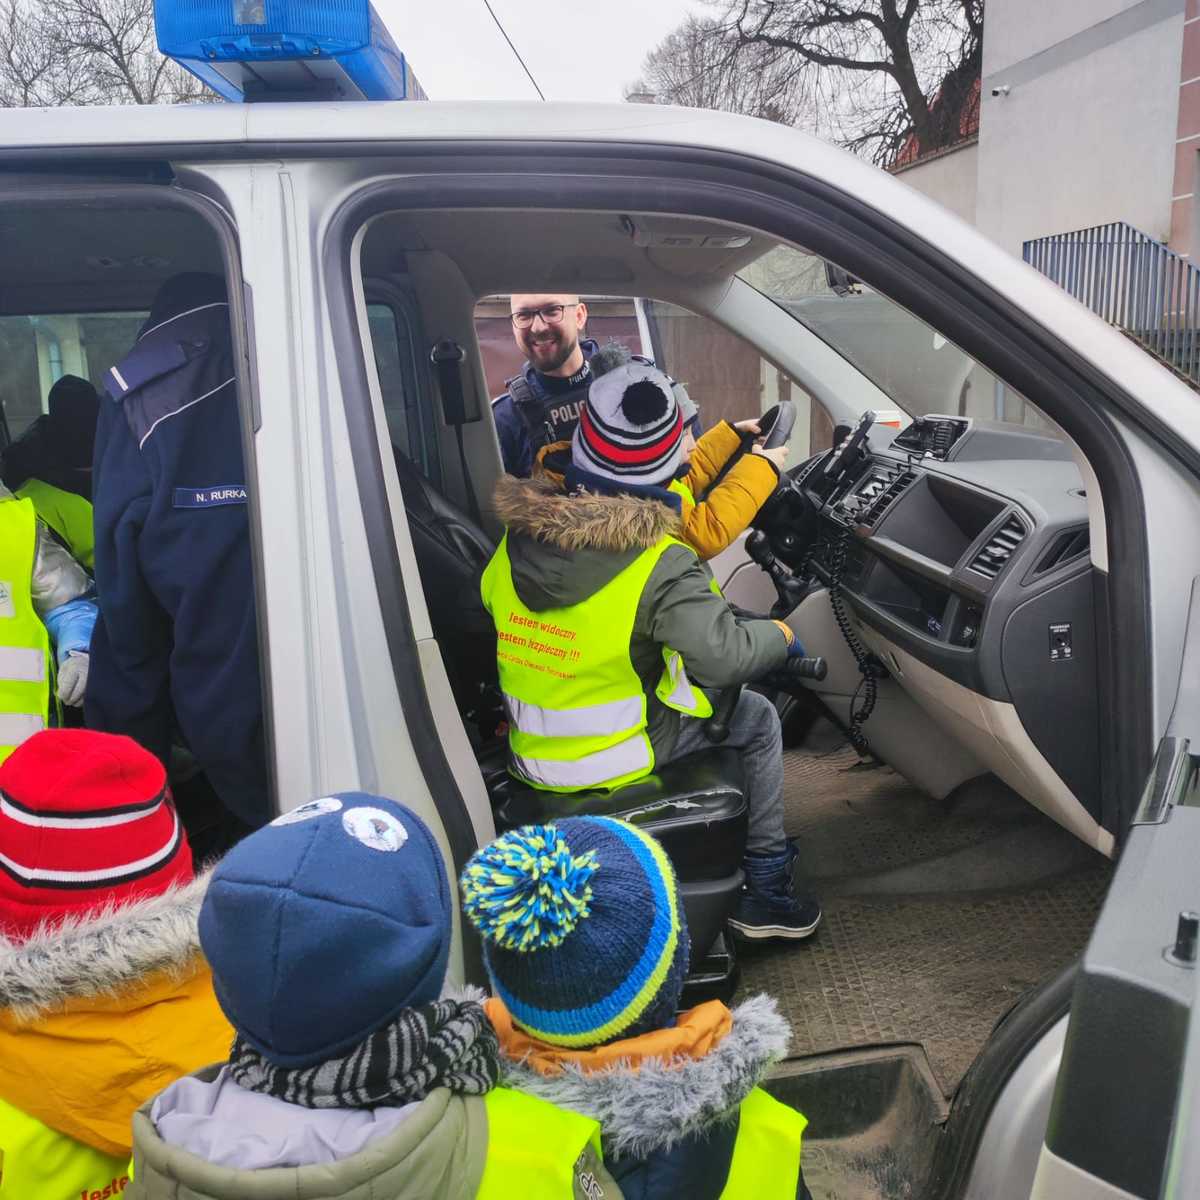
[(869, 686)]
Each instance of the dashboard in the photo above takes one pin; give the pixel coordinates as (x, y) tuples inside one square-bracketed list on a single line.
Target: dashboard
[(965, 544)]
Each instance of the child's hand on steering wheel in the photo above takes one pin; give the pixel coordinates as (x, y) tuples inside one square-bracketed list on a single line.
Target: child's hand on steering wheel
[(778, 456)]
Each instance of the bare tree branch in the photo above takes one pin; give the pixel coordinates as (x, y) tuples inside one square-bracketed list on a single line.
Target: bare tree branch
[(87, 52), (874, 75)]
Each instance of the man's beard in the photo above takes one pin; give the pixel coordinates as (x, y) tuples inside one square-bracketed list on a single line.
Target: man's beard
[(548, 352)]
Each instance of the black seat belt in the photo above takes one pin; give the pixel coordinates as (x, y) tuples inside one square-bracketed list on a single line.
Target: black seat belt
[(447, 357)]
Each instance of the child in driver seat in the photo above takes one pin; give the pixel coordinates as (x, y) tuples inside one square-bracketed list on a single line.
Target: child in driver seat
[(715, 521), (586, 946)]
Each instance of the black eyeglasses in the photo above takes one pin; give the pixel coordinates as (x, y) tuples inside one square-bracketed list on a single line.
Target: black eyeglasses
[(552, 314)]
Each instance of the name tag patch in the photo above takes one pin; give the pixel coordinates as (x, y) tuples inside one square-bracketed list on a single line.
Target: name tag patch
[(210, 497)]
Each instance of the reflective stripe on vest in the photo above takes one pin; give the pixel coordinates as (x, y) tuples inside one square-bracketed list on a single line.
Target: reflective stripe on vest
[(70, 516), (537, 1151), (766, 1156), (39, 1163), (24, 643), (576, 707)]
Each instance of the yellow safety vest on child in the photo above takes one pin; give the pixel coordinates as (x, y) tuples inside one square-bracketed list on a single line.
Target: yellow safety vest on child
[(576, 706)]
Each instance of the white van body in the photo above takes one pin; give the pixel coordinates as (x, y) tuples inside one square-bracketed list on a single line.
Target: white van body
[(292, 191)]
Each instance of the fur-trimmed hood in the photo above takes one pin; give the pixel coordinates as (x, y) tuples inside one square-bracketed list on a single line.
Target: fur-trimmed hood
[(102, 953), (538, 508), (660, 1104), (565, 548)]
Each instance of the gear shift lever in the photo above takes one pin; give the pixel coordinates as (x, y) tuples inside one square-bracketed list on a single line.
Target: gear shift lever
[(788, 587)]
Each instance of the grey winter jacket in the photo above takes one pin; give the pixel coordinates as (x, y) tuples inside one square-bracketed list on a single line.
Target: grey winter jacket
[(436, 1152), (564, 548), (230, 1146)]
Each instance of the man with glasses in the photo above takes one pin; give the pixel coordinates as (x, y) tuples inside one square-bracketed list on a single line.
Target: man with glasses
[(542, 404)]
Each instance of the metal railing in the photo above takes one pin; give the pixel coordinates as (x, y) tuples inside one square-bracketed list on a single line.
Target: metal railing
[(1134, 282)]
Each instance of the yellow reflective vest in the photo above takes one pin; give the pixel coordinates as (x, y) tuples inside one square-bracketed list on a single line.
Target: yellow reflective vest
[(575, 704), (25, 662), (37, 1163), (69, 515), (766, 1156), (537, 1151)]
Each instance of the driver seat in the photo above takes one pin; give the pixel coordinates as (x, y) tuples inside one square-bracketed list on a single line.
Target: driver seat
[(696, 807)]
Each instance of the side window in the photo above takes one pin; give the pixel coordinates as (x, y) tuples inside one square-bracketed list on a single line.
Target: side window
[(406, 403), (37, 351), (728, 378)]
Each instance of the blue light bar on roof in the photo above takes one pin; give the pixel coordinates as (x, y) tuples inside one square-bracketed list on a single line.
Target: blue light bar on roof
[(286, 49)]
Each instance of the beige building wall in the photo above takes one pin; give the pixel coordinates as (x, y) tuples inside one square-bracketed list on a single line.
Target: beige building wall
[(1082, 130), (950, 178)]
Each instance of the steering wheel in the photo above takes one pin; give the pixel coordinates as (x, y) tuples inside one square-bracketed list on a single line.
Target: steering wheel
[(775, 425)]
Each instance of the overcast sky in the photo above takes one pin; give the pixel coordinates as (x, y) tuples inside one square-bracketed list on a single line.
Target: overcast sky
[(583, 50)]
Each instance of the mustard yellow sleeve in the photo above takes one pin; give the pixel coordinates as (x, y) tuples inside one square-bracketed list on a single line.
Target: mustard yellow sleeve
[(712, 452), (714, 524)]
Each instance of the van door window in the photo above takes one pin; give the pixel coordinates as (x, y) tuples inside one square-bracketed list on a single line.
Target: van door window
[(728, 378), (407, 404), (37, 351)]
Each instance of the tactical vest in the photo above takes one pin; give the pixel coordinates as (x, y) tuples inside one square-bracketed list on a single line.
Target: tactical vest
[(536, 1150), (25, 662), (37, 1161), (69, 515), (551, 418), (576, 706)]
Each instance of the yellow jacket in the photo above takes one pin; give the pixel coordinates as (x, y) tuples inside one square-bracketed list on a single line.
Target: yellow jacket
[(95, 1018), (714, 523)]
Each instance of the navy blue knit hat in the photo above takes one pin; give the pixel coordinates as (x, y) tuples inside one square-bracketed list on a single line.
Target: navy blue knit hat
[(323, 925), (584, 935)]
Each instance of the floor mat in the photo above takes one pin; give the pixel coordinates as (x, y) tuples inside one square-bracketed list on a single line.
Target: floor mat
[(938, 914)]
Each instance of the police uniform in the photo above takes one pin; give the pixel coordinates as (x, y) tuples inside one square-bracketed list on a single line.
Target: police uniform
[(177, 642), (538, 410)]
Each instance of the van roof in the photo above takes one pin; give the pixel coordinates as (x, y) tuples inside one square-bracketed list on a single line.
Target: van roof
[(148, 126)]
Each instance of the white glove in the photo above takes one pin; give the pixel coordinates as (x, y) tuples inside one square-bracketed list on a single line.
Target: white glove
[(72, 679)]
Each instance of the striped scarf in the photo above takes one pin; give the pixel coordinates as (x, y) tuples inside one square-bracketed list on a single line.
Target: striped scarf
[(449, 1043)]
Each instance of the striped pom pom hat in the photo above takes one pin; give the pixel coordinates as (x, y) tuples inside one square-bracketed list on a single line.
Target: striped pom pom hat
[(86, 822), (630, 427), (584, 934)]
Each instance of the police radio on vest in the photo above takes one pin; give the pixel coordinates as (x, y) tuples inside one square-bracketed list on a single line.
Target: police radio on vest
[(249, 50)]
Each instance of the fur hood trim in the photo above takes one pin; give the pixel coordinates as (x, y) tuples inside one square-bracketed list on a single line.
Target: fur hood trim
[(538, 508), (660, 1104), (103, 952)]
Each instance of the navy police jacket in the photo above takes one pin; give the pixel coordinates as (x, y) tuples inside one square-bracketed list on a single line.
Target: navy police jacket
[(176, 648)]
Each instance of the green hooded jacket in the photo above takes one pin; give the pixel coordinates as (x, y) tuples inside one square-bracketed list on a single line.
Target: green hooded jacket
[(564, 548)]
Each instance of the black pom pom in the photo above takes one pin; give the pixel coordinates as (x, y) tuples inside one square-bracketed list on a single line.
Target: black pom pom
[(644, 403), (610, 356)]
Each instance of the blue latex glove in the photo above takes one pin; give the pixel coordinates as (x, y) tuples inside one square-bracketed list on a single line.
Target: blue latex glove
[(71, 626)]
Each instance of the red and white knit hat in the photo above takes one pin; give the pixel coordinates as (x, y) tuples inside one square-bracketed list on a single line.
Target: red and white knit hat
[(86, 821), (630, 427)]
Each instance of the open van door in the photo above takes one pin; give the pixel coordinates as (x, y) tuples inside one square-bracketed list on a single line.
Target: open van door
[(1123, 1120)]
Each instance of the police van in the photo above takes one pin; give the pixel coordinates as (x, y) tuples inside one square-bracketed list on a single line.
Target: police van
[(999, 1002)]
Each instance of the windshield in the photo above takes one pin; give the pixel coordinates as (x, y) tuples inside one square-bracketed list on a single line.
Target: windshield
[(910, 361)]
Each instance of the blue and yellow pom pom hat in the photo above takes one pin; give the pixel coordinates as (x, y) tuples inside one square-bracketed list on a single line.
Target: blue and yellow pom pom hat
[(584, 934)]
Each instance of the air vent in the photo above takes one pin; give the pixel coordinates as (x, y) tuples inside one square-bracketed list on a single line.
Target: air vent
[(993, 558), (807, 469), (1068, 547), (874, 512)]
